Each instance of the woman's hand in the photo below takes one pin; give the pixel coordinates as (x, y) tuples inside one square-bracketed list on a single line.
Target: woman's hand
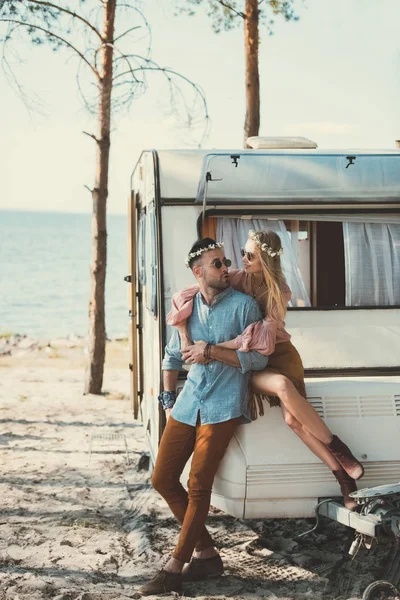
[(194, 353)]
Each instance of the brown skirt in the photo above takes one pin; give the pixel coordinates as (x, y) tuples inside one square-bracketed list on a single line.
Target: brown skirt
[(286, 361)]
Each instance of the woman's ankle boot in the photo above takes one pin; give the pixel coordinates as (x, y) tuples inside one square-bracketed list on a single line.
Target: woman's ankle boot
[(347, 485), (343, 454)]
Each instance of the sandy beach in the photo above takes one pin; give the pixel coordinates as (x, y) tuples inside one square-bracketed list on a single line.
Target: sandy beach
[(79, 519)]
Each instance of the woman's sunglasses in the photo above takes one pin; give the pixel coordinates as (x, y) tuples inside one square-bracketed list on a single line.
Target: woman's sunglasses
[(217, 263), (249, 255)]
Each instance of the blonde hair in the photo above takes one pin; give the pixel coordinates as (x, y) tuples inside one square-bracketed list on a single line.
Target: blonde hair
[(272, 272)]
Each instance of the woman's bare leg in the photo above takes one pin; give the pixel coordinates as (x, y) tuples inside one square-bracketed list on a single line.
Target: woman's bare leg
[(316, 447), (279, 385), (184, 335), (347, 484)]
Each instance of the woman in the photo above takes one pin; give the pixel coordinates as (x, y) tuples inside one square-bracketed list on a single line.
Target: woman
[(262, 278)]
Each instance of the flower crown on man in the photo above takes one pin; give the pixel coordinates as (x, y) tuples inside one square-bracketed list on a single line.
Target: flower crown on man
[(199, 248)]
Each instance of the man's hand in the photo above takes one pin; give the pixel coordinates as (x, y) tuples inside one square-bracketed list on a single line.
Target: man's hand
[(195, 353), (168, 413)]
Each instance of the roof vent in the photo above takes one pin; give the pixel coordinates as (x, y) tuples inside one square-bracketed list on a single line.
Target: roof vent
[(282, 143)]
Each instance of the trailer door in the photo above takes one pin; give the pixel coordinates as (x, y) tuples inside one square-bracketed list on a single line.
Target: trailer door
[(145, 305)]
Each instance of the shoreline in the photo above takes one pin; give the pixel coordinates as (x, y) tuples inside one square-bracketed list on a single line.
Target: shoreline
[(18, 350)]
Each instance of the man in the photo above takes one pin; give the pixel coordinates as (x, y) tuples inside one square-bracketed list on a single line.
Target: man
[(203, 419)]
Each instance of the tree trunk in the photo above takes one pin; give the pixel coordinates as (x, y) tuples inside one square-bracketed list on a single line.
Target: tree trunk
[(251, 43), (97, 329)]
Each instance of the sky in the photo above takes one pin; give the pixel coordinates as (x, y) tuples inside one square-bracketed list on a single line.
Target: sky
[(332, 76)]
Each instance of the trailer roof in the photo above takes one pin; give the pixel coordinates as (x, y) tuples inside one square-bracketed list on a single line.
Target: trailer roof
[(279, 175)]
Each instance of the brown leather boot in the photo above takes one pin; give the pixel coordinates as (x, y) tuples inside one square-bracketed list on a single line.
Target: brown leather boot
[(347, 485), (162, 583), (203, 568), (343, 454)]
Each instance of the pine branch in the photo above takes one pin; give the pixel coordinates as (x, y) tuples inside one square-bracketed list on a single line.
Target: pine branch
[(126, 32), (69, 12), (57, 37), (91, 135), (229, 7)]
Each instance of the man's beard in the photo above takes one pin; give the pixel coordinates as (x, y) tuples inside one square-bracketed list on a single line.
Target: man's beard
[(217, 284)]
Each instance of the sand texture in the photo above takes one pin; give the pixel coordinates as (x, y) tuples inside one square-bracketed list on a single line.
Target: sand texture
[(76, 525)]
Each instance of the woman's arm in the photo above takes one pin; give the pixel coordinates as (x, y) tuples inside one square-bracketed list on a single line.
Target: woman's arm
[(182, 302), (182, 307), (261, 335)]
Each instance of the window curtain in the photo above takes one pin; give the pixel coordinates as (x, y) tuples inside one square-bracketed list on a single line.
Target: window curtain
[(372, 263), (234, 234)]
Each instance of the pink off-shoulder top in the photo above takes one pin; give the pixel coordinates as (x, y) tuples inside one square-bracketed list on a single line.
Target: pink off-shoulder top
[(260, 336)]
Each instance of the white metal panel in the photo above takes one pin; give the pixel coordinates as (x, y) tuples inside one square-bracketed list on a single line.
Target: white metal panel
[(306, 175), (180, 170), (232, 506), (283, 477), (346, 338), (179, 232), (280, 508), (229, 490), (151, 379), (144, 184)]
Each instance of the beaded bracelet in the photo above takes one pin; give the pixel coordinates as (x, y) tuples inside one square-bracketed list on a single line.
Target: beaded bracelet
[(207, 351)]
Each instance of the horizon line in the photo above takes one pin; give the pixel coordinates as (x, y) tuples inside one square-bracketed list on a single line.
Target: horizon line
[(62, 212)]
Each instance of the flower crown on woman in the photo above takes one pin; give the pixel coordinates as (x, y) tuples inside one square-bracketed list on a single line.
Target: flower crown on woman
[(264, 247)]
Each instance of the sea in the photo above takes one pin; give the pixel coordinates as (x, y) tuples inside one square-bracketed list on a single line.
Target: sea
[(45, 274)]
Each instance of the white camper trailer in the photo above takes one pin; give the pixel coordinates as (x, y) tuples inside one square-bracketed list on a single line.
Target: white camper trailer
[(338, 216)]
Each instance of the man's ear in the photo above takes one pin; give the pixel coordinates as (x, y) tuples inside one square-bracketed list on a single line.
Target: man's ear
[(198, 271)]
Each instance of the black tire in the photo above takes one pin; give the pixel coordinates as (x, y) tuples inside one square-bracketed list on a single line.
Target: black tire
[(381, 590)]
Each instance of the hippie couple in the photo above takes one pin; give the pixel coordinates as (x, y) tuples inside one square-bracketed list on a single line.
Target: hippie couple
[(237, 321)]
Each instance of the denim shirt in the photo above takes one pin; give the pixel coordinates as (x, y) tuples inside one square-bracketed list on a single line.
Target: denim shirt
[(219, 392)]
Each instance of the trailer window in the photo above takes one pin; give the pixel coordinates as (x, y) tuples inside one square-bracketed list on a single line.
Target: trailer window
[(141, 250), (151, 261), (372, 264), (329, 263), (234, 233), (355, 264)]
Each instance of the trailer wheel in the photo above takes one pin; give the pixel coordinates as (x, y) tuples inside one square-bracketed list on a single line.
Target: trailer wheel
[(381, 590)]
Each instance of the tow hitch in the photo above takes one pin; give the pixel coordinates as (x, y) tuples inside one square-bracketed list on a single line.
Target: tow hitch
[(377, 520)]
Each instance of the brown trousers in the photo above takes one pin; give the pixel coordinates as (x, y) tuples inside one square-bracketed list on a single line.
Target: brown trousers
[(208, 444)]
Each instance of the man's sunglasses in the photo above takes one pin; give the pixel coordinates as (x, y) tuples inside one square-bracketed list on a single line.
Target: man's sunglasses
[(249, 255), (217, 263)]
